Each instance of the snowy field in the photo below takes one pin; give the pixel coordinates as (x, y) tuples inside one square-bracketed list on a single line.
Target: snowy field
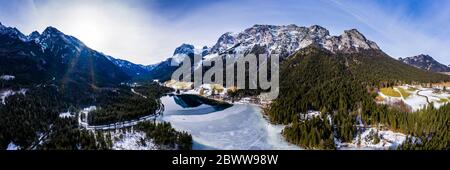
[(388, 140), (417, 99), (12, 147), (436, 98), (131, 140), (240, 127)]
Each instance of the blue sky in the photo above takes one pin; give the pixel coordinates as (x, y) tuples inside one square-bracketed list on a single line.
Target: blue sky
[(147, 31)]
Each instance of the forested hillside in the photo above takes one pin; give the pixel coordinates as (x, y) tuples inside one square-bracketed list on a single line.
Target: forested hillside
[(342, 87), (123, 105), (378, 69)]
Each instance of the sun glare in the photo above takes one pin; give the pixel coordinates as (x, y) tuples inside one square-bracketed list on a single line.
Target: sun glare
[(89, 25), (114, 29)]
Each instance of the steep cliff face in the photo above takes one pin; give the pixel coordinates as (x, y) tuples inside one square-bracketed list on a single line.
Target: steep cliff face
[(285, 40)]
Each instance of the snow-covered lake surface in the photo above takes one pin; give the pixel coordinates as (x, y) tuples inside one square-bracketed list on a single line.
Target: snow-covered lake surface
[(240, 127)]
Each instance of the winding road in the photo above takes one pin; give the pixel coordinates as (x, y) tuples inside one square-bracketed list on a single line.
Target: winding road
[(418, 93)]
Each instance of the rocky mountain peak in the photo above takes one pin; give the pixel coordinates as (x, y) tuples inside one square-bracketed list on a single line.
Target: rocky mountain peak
[(319, 31), (12, 32), (52, 37), (184, 49), (51, 31), (286, 39), (349, 42), (425, 62), (34, 36)]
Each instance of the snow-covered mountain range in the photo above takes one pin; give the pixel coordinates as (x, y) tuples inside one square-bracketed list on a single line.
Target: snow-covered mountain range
[(54, 55), (271, 39), (283, 40), (425, 62), (287, 39), (258, 39)]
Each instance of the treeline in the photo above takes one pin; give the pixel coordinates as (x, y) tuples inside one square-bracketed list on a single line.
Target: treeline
[(122, 104), (31, 121), (428, 129), (378, 69), (189, 100), (164, 135), (311, 134), (152, 89), (312, 80), (66, 135)]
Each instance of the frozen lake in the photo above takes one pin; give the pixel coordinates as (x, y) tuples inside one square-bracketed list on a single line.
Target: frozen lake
[(236, 127)]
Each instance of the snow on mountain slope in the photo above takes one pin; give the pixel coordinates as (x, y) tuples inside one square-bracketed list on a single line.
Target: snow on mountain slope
[(130, 68), (187, 50), (12, 32), (287, 39), (50, 54), (425, 62), (283, 40), (269, 39)]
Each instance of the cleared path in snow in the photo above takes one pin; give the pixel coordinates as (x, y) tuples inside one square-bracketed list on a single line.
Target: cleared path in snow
[(428, 100)]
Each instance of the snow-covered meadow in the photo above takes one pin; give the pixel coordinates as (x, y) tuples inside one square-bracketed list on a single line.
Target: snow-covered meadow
[(366, 140), (418, 97), (131, 140)]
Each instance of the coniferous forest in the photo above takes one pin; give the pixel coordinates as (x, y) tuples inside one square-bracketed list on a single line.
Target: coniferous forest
[(314, 79), (122, 104), (32, 120)]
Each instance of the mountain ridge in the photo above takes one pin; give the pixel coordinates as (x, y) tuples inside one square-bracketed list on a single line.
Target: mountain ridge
[(425, 62), (62, 57), (286, 40)]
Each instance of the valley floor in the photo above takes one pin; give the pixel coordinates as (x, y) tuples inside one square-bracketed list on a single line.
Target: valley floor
[(416, 97), (243, 126)]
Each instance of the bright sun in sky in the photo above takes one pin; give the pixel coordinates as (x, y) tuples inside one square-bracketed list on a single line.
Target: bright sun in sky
[(116, 29), (89, 24)]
